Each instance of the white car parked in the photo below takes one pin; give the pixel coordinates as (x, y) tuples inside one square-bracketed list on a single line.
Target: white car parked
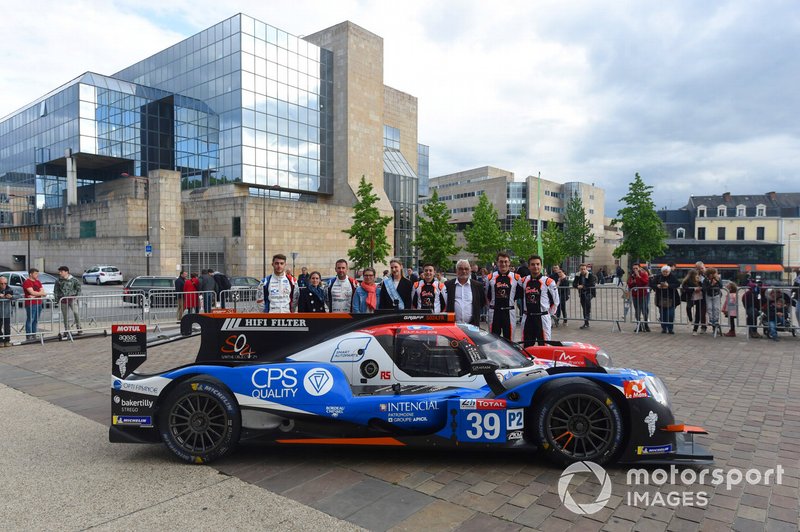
[(102, 274)]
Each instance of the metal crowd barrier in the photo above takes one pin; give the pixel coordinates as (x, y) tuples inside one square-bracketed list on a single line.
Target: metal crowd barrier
[(241, 299), (169, 306), (755, 313), (18, 315), (607, 305), (98, 312), (646, 310)]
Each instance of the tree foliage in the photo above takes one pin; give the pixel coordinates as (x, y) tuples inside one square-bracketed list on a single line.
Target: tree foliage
[(484, 237), (368, 229), (643, 232), (578, 237), (521, 241), (553, 245), (436, 239)]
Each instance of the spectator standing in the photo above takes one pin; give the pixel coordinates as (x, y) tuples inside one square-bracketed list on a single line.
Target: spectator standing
[(412, 275), (539, 301), (395, 289), (730, 307), (701, 276), (190, 288), (466, 297), (522, 269), (639, 286), (6, 306), (712, 291), (585, 282), (33, 290), (796, 298), (66, 290), (562, 282), (429, 293), (601, 276), (303, 278), (221, 284), (474, 273), (341, 289), (665, 286), (179, 284), (619, 272), (501, 294), (207, 287), (751, 299), (367, 294), (692, 294), (312, 296), (778, 305), (277, 291)]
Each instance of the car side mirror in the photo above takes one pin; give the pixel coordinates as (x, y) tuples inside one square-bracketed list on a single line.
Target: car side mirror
[(488, 369)]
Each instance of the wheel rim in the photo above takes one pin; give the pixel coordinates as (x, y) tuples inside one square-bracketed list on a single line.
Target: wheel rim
[(581, 427), (198, 423)]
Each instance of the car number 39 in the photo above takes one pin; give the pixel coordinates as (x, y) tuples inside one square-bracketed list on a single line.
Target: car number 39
[(489, 425)]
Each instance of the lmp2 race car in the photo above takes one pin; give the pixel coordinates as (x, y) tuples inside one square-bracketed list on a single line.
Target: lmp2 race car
[(400, 379)]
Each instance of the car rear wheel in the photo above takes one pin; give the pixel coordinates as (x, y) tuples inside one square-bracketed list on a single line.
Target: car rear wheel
[(579, 421), (199, 421)]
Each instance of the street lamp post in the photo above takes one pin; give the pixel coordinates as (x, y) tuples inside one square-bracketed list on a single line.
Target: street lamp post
[(264, 228), (789, 254)]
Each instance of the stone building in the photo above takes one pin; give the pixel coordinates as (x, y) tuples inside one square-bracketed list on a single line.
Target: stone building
[(237, 143)]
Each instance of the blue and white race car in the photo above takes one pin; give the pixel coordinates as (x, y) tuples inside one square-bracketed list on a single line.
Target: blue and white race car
[(401, 379)]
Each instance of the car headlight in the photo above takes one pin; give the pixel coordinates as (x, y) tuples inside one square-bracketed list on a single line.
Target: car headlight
[(658, 390), (603, 358)]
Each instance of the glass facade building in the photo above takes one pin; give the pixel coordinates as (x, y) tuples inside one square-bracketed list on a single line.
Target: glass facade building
[(241, 101)]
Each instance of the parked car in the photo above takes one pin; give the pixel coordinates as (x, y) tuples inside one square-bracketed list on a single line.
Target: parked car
[(145, 284), (247, 286), (15, 280), (102, 275)]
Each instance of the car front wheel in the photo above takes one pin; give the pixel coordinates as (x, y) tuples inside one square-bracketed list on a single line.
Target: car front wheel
[(579, 421), (200, 421)]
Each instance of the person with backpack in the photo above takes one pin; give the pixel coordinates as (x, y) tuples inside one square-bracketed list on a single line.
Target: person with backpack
[(223, 283), (278, 291)]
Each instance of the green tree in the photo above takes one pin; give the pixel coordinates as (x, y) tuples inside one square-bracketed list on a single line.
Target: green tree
[(644, 236), (521, 241), (368, 229), (484, 237), (578, 237), (553, 245), (436, 239)]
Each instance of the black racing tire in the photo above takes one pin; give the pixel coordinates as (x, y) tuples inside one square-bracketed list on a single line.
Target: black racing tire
[(199, 421), (578, 421)]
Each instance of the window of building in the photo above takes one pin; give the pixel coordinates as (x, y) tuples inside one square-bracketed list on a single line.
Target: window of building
[(191, 228), (591, 211), (89, 229), (701, 233), (720, 233), (701, 211), (391, 137), (680, 233), (740, 233), (759, 233), (236, 226), (761, 210), (741, 211), (722, 210)]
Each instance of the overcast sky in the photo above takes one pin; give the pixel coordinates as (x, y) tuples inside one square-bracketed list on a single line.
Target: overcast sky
[(698, 97)]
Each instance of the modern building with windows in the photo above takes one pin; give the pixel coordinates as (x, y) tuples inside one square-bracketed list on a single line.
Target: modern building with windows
[(738, 234), (234, 144), (535, 198)]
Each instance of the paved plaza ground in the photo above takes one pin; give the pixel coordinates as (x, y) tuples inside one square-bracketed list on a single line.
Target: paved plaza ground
[(746, 393)]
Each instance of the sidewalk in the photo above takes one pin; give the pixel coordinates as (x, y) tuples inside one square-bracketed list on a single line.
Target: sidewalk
[(61, 473)]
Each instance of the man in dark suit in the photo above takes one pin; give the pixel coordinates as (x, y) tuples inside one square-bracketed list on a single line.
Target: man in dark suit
[(465, 297)]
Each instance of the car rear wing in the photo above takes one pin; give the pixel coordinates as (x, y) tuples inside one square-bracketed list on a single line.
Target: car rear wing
[(256, 337)]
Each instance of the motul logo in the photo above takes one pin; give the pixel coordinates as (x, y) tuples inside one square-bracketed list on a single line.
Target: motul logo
[(128, 329)]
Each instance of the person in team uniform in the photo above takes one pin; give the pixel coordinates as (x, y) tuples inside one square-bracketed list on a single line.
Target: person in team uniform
[(539, 300), (429, 293), (341, 289), (501, 291)]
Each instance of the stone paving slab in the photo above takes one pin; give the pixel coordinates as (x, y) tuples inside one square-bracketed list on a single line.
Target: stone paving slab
[(747, 393)]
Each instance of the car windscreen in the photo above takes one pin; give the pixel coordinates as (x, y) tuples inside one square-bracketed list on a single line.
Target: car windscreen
[(506, 354), (46, 278)]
